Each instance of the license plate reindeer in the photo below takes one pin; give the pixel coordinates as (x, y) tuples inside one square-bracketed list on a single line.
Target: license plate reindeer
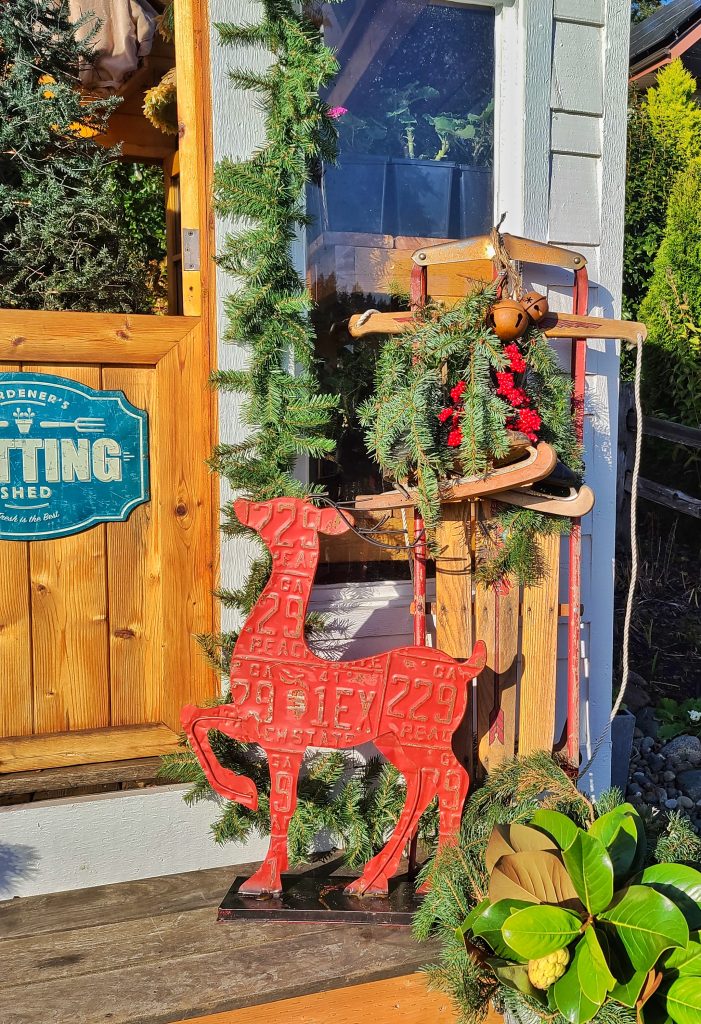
[(285, 698)]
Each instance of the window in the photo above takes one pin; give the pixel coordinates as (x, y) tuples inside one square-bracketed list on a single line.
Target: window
[(414, 101)]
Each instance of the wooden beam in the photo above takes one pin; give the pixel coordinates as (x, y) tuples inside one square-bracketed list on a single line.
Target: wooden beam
[(667, 496), (406, 1000), (55, 750), (51, 780), (38, 336), (690, 437)]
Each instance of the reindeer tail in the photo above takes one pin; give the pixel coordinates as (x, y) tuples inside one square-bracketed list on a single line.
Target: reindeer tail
[(471, 668), (197, 723)]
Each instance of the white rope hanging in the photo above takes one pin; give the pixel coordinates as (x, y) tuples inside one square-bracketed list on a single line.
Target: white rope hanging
[(630, 600)]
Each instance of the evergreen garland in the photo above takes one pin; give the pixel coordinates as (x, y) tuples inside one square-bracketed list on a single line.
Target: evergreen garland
[(65, 241), (416, 374), (459, 879)]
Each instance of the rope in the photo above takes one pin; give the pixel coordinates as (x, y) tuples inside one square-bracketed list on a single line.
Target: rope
[(625, 673), (505, 267)]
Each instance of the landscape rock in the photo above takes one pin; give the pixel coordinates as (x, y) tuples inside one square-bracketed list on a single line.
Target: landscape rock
[(671, 805), (682, 751), (647, 723), (690, 783)]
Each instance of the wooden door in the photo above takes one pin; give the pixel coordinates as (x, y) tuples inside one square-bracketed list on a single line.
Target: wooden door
[(97, 630)]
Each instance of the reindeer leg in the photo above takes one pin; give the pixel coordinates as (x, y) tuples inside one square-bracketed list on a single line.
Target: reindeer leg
[(284, 772), (421, 785), (197, 722), (452, 793)]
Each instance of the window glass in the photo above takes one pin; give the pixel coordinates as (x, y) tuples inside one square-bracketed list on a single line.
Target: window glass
[(414, 102)]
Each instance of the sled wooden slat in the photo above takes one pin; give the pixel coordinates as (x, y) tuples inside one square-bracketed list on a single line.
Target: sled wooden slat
[(539, 654), (497, 622)]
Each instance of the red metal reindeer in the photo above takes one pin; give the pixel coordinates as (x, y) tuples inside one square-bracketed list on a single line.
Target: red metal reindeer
[(284, 698)]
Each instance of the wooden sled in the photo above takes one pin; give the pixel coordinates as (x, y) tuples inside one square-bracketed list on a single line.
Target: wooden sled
[(538, 463), (553, 325), (576, 504)]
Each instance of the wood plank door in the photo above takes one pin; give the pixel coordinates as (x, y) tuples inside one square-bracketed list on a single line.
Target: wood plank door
[(97, 630)]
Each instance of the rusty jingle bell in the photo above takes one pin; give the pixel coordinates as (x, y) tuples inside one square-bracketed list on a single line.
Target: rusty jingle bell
[(285, 698), (508, 319)]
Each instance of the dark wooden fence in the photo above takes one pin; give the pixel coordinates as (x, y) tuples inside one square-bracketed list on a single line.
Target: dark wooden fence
[(677, 434)]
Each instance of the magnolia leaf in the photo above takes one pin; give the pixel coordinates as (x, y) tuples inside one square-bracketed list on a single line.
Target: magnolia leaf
[(628, 992), (684, 1001), (469, 921), (488, 925), (507, 839), (514, 976), (537, 877), (652, 983), (679, 883), (594, 973), (569, 997), (590, 868), (537, 931), (647, 924), (562, 829), (686, 960), (622, 833)]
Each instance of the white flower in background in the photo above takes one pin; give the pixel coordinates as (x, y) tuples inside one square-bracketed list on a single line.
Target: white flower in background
[(695, 716)]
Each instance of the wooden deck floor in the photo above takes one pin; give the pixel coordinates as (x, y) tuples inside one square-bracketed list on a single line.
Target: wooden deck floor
[(151, 952)]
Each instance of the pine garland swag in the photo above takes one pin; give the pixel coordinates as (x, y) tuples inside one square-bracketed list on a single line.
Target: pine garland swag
[(452, 355)]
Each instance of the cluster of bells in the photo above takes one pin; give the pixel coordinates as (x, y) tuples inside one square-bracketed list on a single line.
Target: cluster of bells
[(510, 319)]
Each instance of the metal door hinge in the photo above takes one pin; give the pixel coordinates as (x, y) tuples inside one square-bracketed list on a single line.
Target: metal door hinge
[(191, 249)]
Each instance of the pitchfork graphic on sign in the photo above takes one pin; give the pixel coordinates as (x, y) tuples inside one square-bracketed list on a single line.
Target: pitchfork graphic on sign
[(408, 701)]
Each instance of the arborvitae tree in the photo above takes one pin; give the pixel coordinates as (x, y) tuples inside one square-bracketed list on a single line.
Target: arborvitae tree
[(672, 309), (63, 239), (653, 163), (675, 116), (664, 133)]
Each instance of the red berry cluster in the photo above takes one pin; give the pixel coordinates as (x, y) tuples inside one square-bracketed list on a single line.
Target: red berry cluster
[(526, 420), (453, 414)]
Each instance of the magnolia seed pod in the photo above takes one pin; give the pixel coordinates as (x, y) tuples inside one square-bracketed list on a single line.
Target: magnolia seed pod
[(536, 305), (508, 319)]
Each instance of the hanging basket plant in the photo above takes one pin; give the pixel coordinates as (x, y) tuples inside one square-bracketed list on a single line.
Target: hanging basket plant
[(462, 392)]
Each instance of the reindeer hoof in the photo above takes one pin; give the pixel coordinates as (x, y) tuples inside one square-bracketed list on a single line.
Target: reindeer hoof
[(378, 886), (252, 887)]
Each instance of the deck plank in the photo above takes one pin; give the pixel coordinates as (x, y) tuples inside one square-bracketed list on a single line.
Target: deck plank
[(152, 952), (406, 1000)]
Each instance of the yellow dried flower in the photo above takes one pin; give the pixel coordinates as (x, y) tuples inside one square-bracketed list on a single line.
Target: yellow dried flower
[(48, 94), (545, 972)]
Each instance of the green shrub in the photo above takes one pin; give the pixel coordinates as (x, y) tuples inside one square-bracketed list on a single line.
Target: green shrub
[(672, 308), (674, 113)]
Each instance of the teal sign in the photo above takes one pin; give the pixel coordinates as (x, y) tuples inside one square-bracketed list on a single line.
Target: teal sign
[(70, 457)]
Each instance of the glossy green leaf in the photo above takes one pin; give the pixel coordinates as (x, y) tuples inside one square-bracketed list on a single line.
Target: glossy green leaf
[(627, 992), (647, 924), (622, 833), (686, 960), (514, 976), (488, 925), (684, 1001), (569, 997), (558, 826), (539, 930), (469, 921), (679, 883), (590, 868), (595, 976)]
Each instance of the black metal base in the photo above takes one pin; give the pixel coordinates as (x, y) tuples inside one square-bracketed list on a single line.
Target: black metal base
[(317, 895)]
